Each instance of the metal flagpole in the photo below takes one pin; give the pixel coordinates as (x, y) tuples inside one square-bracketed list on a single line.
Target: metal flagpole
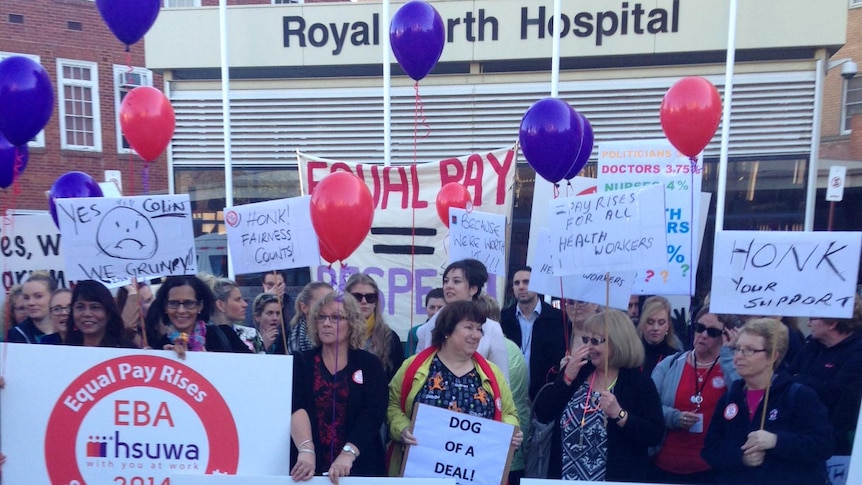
[(555, 50), (225, 100), (387, 85), (725, 117)]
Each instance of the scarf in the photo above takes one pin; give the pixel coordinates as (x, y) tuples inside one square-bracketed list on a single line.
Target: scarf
[(196, 340)]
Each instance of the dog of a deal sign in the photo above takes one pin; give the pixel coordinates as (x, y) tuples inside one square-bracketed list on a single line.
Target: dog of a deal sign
[(75, 416)]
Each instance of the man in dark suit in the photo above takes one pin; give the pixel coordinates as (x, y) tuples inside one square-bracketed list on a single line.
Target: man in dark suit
[(536, 327)]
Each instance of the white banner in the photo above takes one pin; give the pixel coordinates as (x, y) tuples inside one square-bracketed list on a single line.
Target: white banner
[(264, 236), (801, 274), (478, 235), (607, 232), (623, 165), (30, 243), (104, 416), (406, 267), (113, 240), (467, 448)]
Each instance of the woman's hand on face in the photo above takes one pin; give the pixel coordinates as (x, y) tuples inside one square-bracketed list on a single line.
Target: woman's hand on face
[(687, 419), (729, 336), (341, 467), (304, 468), (575, 362), (517, 438), (407, 437)]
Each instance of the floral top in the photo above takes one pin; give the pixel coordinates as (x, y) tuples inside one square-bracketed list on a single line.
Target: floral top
[(463, 394), (250, 337)]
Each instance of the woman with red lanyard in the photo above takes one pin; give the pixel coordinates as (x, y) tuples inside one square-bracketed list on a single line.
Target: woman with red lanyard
[(690, 385)]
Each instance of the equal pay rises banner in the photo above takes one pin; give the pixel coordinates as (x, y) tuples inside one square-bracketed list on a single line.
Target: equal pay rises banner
[(120, 416), (113, 240), (407, 267), (801, 274)]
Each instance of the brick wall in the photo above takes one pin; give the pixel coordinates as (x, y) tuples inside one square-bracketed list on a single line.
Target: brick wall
[(45, 32), (834, 144)]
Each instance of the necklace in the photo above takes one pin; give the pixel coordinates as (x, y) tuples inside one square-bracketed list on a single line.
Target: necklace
[(700, 382)]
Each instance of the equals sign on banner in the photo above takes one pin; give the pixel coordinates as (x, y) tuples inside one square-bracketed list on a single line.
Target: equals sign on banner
[(419, 232)]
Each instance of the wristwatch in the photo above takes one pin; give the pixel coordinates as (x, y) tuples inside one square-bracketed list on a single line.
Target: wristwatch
[(349, 449), (621, 416)]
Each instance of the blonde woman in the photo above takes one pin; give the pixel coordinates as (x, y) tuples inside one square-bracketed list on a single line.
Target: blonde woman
[(656, 331), (380, 339)]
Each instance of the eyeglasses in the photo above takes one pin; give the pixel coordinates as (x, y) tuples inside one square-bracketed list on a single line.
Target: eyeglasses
[(186, 304), (711, 331), (576, 302), (60, 309), (369, 297), (746, 351), (336, 319), (595, 341)]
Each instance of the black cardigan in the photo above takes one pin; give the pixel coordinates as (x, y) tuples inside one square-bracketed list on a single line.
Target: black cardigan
[(548, 342), (627, 445), (366, 409)]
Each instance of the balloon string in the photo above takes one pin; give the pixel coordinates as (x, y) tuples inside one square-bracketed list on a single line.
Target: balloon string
[(556, 191), (131, 174), (145, 178), (129, 67), (419, 114)]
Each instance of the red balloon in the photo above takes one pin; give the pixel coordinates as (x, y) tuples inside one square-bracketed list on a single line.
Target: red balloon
[(148, 122), (341, 212), (452, 194), (690, 113)]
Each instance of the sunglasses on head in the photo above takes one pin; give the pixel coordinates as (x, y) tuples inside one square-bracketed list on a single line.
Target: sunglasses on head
[(711, 331), (369, 297)]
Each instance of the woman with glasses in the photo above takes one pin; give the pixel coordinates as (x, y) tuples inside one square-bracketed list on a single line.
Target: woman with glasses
[(608, 412), (339, 397), (380, 339), (266, 311), (767, 429), (36, 292), (690, 385), (184, 305), (656, 331), (95, 320), (61, 308), (450, 374)]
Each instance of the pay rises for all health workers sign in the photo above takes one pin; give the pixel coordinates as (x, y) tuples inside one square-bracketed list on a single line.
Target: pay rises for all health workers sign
[(74, 415), (405, 251)]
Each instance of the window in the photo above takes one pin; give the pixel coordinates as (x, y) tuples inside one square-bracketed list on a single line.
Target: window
[(39, 140), (125, 81), (78, 93), (851, 104), (280, 2), (182, 3)]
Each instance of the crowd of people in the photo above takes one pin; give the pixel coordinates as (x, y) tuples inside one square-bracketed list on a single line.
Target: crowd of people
[(629, 396)]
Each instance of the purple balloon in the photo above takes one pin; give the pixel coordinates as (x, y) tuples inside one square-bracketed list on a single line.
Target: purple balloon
[(129, 20), (8, 153), (584, 151), (26, 99), (70, 185), (417, 37), (550, 137)]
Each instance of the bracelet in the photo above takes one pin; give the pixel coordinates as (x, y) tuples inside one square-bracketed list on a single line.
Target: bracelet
[(306, 450), (303, 443)]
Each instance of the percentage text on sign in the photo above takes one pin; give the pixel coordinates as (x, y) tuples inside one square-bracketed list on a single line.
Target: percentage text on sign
[(673, 252)]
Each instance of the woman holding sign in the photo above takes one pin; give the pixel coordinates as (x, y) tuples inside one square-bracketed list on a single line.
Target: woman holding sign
[(690, 385), (608, 412), (450, 374), (339, 397), (767, 429)]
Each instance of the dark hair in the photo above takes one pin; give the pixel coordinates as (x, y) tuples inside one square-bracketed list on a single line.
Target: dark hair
[(435, 293), (523, 267), (202, 293), (474, 272), (450, 316), (89, 290)]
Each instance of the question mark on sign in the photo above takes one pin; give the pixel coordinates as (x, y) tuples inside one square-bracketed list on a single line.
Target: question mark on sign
[(685, 269), (664, 276), (649, 274)]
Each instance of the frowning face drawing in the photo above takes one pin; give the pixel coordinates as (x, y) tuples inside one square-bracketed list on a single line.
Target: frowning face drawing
[(126, 234)]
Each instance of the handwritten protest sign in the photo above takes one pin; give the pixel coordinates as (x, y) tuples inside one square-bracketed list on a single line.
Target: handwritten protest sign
[(99, 415), (405, 251), (478, 235), (113, 240), (258, 480), (623, 165), (807, 274), (607, 232), (30, 243), (467, 448), (606, 289), (266, 236)]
